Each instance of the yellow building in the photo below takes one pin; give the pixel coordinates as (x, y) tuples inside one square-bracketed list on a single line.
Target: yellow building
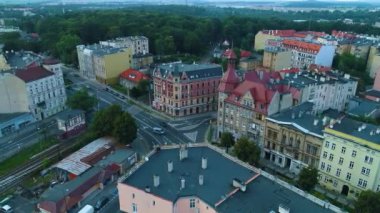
[(262, 36), (110, 63), (13, 94), (3, 63), (350, 157), (277, 59), (373, 63)]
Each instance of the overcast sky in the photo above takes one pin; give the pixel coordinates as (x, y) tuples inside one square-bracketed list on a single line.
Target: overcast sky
[(31, 1)]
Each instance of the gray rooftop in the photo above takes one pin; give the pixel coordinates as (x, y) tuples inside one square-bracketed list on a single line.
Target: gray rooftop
[(372, 92), (101, 50), (68, 114), (301, 117), (21, 59), (57, 192), (193, 71), (4, 117), (362, 107), (262, 195), (217, 182), (118, 156), (351, 127)]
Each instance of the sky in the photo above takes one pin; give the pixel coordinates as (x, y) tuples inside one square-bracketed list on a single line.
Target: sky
[(33, 1)]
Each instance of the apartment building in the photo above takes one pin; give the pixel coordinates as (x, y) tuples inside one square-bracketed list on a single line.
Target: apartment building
[(373, 63), (374, 93), (350, 157), (138, 44), (262, 36), (277, 58), (204, 179), (186, 89), (103, 63), (294, 137)]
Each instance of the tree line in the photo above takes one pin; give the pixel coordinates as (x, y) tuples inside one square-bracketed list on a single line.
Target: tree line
[(170, 29)]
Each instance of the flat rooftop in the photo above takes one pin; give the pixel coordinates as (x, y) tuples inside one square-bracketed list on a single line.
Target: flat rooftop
[(262, 194)]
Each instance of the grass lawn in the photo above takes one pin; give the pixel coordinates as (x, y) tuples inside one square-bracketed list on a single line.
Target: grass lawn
[(24, 155)]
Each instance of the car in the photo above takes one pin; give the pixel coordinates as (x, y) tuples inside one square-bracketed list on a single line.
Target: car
[(158, 130), (101, 202), (164, 124), (6, 209)]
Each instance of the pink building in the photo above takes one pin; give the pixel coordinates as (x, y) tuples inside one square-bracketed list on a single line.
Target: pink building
[(374, 93), (203, 179)]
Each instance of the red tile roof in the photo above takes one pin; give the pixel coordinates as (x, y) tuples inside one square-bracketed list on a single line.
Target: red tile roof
[(133, 75), (229, 79), (291, 70), (33, 73), (318, 68), (281, 33), (245, 54), (303, 46)]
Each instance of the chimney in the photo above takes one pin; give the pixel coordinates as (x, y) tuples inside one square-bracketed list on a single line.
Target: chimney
[(378, 131), (201, 180), (293, 115), (300, 114), (147, 188), (156, 180), (204, 163), (315, 122), (182, 183), (324, 121), (170, 166), (183, 153)]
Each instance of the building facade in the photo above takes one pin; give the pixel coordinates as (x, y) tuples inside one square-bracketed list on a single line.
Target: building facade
[(276, 58), (294, 137), (45, 90), (130, 78), (350, 158), (262, 36), (186, 89), (138, 44), (103, 63)]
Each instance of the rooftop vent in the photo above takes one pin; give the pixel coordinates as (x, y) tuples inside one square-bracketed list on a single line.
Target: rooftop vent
[(183, 153), (170, 166), (315, 122), (156, 180), (283, 209), (293, 115), (147, 188), (204, 163), (239, 184), (182, 183), (201, 180), (378, 131)]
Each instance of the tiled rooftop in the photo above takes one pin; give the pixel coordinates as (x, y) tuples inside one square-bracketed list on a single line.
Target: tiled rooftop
[(33, 73), (193, 71)]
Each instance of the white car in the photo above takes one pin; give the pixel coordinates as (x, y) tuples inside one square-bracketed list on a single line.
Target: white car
[(158, 130)]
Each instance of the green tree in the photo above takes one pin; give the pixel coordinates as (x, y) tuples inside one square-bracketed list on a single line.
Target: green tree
[(125, 128), (112, 121), (65, 48), (81, 100), (368, 202), (247, 151), (308, 178), (227, 140)]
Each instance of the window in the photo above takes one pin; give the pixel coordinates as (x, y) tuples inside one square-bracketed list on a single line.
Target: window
[(192, 203), (362, 183), (328, 168), (133, 195), (333, 146), (134, 207), (338, 172), (343, 150), (351, 165), (365, 171), (353, 153), (324, 154), (327, 144), (154, 203), (331, 157), (340, 160), (335, 183), (326, 179), (368, 159), (322, 165), (348, 176)]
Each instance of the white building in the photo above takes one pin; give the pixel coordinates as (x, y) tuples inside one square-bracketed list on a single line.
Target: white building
[(138, 44), (43, 88)]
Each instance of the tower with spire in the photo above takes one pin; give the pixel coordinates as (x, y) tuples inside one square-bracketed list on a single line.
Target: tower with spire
[(227, 84)]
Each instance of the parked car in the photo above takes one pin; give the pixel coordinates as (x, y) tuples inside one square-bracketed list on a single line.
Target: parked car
[(158, 130), (100, 203), (6, 209), (164, 124)]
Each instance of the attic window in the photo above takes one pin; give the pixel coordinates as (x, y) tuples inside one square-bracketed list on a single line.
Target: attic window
[(132, 76)]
